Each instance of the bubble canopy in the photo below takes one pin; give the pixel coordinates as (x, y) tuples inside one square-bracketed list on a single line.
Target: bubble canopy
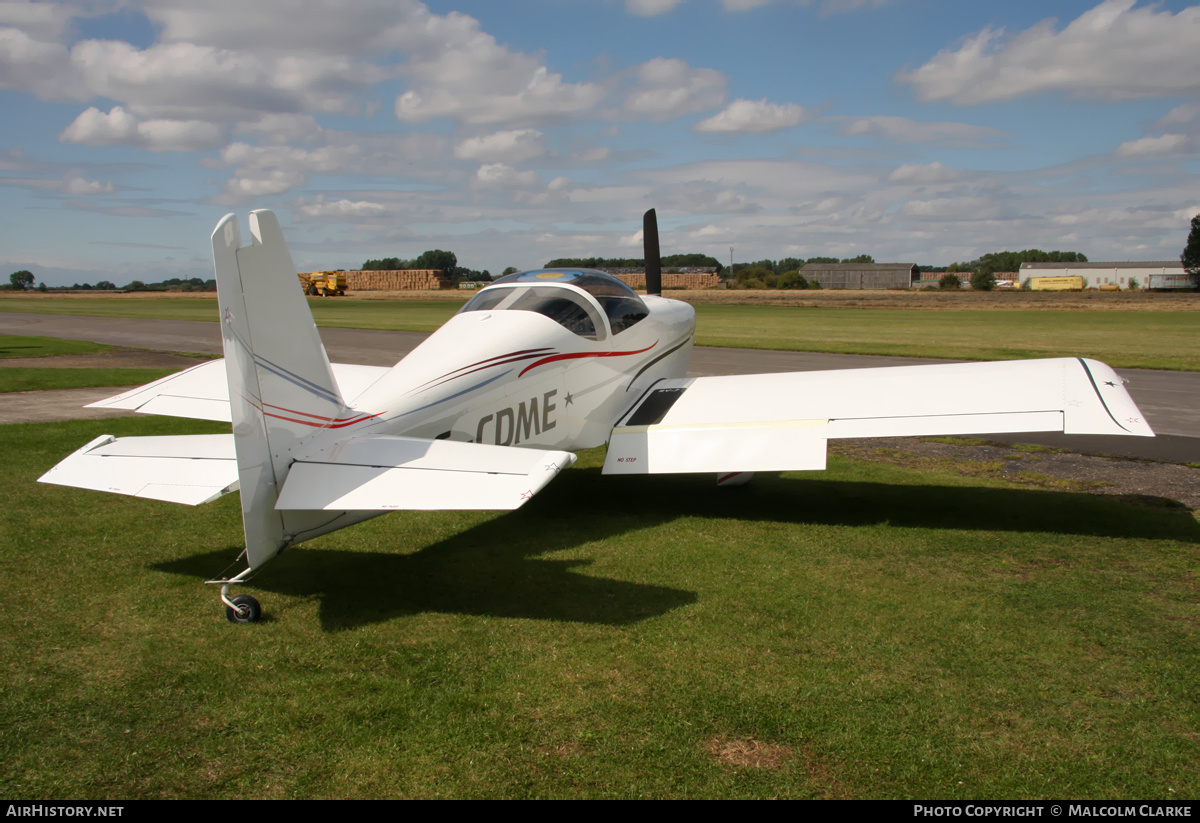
[(540, 291)]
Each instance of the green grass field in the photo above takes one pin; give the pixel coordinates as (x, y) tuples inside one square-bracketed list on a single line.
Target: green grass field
[(17, 346), (29, 379), (870, 631), (1123, 339), (1155, 340)]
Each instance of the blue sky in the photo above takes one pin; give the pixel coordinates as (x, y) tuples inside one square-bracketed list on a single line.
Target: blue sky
[(512, 133)]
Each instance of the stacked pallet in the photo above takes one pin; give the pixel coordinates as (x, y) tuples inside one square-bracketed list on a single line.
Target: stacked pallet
[(396, 280), (675, 280)]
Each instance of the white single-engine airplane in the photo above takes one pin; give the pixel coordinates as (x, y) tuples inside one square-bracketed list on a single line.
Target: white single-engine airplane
[(488, 409)]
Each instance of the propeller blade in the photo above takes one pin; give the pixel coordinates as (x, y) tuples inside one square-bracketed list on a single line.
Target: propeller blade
[(653, 259)]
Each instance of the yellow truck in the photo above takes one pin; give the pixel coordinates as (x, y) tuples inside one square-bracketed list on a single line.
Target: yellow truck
[(323, 283)]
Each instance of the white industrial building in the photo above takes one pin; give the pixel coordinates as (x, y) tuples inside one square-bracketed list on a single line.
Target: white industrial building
[(1153, 274)]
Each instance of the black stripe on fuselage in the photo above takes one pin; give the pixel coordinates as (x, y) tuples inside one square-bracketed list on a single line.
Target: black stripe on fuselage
[(654, 408)]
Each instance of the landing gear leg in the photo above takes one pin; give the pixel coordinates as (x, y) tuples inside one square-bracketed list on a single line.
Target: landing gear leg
[(240, 609)]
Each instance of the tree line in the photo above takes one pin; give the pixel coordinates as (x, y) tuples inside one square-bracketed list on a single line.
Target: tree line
[(435, 259), (671, 261)]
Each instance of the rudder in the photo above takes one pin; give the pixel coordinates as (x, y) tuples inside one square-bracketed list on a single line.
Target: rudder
[(281, 386)]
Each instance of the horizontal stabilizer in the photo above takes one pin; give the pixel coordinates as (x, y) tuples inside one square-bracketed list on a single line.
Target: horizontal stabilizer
[(385, 473), (202, 392), (189, 469), (780, 422)]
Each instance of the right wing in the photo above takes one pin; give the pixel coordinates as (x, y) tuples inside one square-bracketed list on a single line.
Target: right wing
[(781, 422), (202, 392)]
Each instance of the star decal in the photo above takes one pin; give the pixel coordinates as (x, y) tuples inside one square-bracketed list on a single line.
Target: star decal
[(526, 495), (1075, 403), (1109, 383), (552, 467), (1133, 420), (228, 314), (569, 399)]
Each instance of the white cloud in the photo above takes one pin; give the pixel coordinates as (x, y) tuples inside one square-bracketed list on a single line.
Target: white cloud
[(42, 21), (70, 184), (366, 26), (459, 71), (180, 135), (592, 155), (185, 80), (743, 5), (905, 130), (955, 209), (37, 66), (227, 61), (282, 128), (1112, 51), (319, 207), (1183, 113), (830, 7), (247, 183), (708, 232), (1151, 145), (77, 185), (917, 173), (650, 8), (827, 7), (668, 87), (502, 146), (95, 128), (751, 116), (503, 175), (321, 160)]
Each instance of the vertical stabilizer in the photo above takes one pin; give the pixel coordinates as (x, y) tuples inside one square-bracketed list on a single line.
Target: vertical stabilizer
[(281, 387)]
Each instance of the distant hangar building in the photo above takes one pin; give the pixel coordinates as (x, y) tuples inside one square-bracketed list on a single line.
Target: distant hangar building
[(862, 275), (1152, 274)]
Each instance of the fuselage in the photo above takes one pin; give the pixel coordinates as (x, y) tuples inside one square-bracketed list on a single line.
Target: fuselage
[(544, 359)]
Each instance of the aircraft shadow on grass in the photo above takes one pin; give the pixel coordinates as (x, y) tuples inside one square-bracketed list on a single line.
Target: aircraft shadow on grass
[(499, 568)]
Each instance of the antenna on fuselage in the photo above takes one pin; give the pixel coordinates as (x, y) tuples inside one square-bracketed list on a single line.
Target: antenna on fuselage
[(650, 247)]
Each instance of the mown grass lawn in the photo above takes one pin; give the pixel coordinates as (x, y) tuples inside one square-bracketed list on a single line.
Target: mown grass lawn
[(1153, 340), (30, 379), (23, 346), (869, 631)]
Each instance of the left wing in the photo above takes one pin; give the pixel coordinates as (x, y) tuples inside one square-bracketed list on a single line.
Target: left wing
[(781, 422)]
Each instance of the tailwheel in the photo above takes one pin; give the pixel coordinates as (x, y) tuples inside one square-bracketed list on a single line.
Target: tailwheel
[(243, 609), (240, 609)]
